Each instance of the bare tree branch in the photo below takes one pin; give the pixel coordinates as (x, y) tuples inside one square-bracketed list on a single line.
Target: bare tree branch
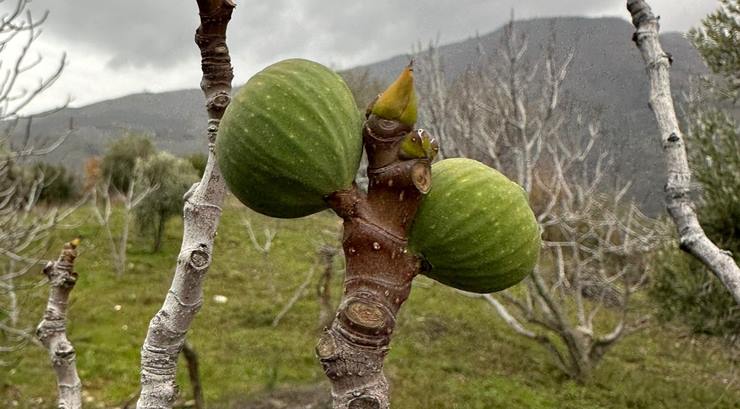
[(52, 331), (680, 206), (202, 212)]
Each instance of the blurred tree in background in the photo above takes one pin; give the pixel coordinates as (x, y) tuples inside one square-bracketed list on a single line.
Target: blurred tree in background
[(60, 185), (173, 177), (198, 161), (718, 42), (120, 159)]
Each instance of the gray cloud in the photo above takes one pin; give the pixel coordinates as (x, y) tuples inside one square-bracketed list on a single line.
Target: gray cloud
[(159, 33), (156, 33), (125, 46)]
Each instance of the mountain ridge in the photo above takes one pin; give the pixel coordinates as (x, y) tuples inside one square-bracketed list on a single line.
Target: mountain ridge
[(606, 74)]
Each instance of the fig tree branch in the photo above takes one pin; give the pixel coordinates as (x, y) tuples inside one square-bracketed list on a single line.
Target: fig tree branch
[(52, 330), (379, 266), (168, 328), (691, 236)]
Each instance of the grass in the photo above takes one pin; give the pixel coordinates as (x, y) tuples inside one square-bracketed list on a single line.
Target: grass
[(449, 351)]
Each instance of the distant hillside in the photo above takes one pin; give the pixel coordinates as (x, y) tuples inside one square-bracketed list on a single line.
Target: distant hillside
[(607, 73)]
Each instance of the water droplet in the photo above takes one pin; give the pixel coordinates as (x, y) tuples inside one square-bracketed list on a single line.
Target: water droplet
[(405, 250), (352, 250), (376, 245), (387, 293)]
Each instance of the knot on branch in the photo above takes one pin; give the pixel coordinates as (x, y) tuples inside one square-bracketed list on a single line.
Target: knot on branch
[(199, 258), (363, 320), (64, 350), (218, 101), (212, 132)]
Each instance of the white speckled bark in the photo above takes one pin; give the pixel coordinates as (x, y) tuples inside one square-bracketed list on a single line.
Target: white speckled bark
[(680, 206), (168, 328), (52, 330)]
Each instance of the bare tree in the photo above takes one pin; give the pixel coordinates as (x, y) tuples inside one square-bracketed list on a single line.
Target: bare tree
[(680, 206), (507, 110), (24, 231), (138, 190), (168, 329)]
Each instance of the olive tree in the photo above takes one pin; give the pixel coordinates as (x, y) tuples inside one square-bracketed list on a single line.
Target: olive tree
[(718, 43), (121, 157), (172, 177)]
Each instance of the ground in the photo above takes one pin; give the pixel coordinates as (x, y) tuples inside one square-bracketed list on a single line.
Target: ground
[(449, 351)]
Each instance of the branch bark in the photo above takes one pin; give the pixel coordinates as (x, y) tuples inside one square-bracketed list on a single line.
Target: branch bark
[(168, 328), (692, 238), (379, 267), (52, 330)]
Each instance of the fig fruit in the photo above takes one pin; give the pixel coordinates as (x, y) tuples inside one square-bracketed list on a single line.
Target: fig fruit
[(475, 229), (291, 136)]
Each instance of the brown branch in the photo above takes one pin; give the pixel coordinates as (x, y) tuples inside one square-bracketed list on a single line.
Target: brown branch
[(194, 374), (379, 268), (52, 330), (692, 238), (202, 212)]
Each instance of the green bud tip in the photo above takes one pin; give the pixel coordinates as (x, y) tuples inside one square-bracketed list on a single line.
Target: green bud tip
[(398, 101)]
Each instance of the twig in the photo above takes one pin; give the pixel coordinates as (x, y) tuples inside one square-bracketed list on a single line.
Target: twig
[(296, 296)]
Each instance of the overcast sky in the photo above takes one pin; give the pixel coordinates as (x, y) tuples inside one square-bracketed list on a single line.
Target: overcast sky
[(119, 47)]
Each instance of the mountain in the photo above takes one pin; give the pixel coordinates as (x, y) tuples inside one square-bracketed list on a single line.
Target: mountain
[(606, 74)]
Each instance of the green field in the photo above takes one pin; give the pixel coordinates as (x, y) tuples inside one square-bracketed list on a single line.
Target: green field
[(449, 351)]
